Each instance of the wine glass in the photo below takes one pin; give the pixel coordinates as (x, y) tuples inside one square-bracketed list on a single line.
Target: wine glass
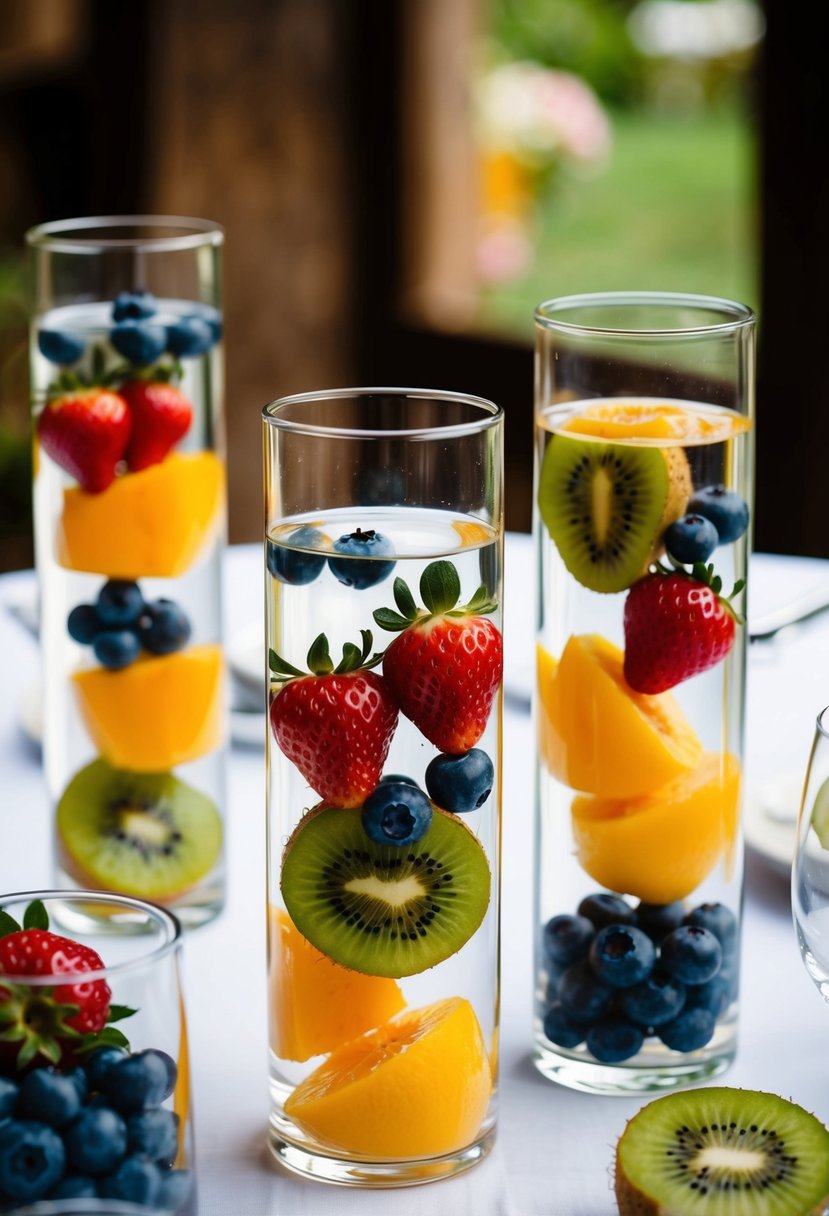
[(810, 872)]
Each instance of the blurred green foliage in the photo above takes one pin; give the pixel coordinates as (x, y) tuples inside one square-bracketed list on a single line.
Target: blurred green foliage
[(15, 442)]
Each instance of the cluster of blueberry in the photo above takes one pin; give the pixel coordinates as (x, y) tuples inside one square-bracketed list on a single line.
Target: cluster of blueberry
[(297, 566), (138, 334), (715, 516), (99, 1130), (398, 812), (616, 974), (121, 623)]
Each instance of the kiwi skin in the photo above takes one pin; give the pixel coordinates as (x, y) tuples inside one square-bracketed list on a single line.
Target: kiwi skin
[(656, 1153), (446, 871)]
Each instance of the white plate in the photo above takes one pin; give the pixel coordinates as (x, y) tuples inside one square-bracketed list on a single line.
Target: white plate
[(770, 819)]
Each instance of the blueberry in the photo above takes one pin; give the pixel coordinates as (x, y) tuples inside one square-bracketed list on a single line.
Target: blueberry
[(134, 306), (163, 627), (566, 939), (657, 920), (139, 1081), (691, 539), (604, 909), (83, 624), (614, 1039), (397, 778), (8, 1096), (725, 509), (715, 996), (212, 317), (74, 1186), (32, 1159), (691, 954), (689, 1031), (622, 955), (560, 1028), (155, 1134), (397, 814), (137, 1180), (656, 1000), (116, 648), (719, 920), (139, 341), (359, 566), (176, 1190), (189, 336), (460, 783), (60, 347), (584, 997), (95, 1140), (100, 1062), (119, 603), (289, 563), (49, 1097)]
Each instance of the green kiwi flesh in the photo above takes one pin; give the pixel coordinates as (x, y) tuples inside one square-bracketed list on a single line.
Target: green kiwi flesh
[(603, 505), (145, 834), (722, 1152), (380, 909), (820, 815)]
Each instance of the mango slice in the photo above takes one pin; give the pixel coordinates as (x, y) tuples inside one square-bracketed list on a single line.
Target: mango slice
[(157, 713), (597, 735), (316, 1005), (660, 847), (153, 523)]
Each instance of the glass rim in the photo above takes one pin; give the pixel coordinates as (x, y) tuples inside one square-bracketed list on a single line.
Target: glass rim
[(67, 236), (735, 315), (822, 722), (490, 413), (162, 916)]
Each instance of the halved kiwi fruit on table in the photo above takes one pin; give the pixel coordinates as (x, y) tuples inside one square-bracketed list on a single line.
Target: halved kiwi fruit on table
[(719, 1151), (146, 834), (381, 909), (606, 506)]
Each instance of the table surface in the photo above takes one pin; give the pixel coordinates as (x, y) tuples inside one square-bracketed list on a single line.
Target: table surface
[(555, 1147)]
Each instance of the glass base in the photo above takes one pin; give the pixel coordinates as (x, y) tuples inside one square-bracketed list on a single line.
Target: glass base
[(357, 1172), (106, 918), (589, 1076)]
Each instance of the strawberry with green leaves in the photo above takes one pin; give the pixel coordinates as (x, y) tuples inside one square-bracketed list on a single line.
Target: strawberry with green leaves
[(334, 723), (445, 667), (85, 430), (676, 625), (161, 416), (51, 1023)]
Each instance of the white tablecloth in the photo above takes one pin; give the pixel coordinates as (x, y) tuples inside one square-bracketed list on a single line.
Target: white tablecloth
[(555, 1146)]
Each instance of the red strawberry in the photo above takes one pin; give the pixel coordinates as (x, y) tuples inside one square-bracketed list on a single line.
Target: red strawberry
[(161, 415), (46, 1021), (335, 724), (86, 431), (676, 625), (445, 667)]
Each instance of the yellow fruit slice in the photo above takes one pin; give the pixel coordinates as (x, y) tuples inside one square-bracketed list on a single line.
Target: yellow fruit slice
[(659, 848), (624, 418), (153, 523), (599, 736), (157, 713), (417, 1087), (316, 1005)]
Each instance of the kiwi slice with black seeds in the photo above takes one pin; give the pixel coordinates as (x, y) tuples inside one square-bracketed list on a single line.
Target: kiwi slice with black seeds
[(722, 1152), (380, 909), (146, 834), (606, 506)]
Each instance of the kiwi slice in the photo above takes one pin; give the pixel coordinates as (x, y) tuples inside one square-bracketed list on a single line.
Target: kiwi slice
[(377, 908), (722, 1152), (820, 815), (145, 834), (606, 504)]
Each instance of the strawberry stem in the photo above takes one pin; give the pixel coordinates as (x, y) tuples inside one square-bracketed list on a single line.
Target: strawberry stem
[(320, 663), (440, 589)]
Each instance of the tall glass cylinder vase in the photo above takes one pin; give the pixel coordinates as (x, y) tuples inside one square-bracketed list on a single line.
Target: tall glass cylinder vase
[(383, 570), (129, 500), (643, 492)]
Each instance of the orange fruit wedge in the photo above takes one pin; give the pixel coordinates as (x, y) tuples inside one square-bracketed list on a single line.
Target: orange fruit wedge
[(660, 847), (597, 735), (315, 1004), (419, 1086), (624, 418), (152, 523), (159, 712)]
